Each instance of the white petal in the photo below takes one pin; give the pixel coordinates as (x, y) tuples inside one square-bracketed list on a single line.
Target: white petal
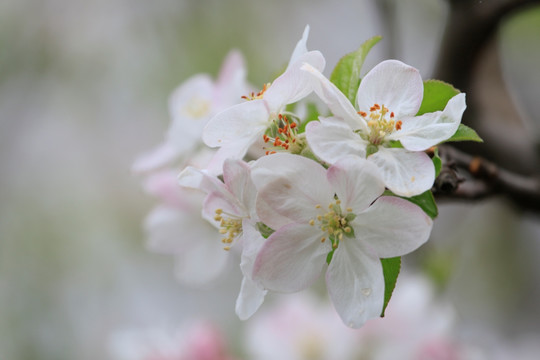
[(231, 82), (404, 172), (294, 197), (355, 283), (295, 169), (242, 122), (169, 231), (393, 226), (294, 84), (291, 259), (336, 101), (234, 150), (421, 132), (332, 140), (356, 181), (249, 299), (156, 158), (194, 178), (252, 241), (300, 48), (393, 84), (199, 254), (202, 263), (191, 105)]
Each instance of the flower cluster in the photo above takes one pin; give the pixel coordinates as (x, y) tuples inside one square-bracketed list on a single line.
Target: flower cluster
[(292, 194)]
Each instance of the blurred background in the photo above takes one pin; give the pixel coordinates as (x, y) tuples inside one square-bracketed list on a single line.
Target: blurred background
[(83, 91)]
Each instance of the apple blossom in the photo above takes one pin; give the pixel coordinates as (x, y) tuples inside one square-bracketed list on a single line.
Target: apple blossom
[(173, 225), (191, 105), (235, 129), (338, 216), (198, 341), (388, 99), (230, 206)]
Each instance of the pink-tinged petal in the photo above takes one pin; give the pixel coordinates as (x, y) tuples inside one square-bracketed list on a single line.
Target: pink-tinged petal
[(421, 132), (242, 122), (222, 200), (355, 283), (291, 259), (300, 48), (158, 157), (194, 178), (164, 185), (293, 170), (393, 84), (332, 140), (404, 172), (294, 84), (231, 81), (356, 181), (393, 227), (336, 101), (249, 299), (237, 177)]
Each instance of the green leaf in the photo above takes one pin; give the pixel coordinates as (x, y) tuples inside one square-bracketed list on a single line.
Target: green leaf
[(425, 200), (346, 74), (437, 162), (436, 96), (391, 268), (465, 133)]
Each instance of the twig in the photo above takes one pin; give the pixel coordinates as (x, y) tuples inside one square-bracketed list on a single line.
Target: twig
[(470, 177)]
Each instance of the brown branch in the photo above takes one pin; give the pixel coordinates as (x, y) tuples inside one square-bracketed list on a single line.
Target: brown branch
[(471, 23), (469, 177)]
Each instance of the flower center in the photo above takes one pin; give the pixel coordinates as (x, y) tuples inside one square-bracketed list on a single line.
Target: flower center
[(381, 122), (196, 108), (259, 95), (230, 226), (334, 222), (282, 135)]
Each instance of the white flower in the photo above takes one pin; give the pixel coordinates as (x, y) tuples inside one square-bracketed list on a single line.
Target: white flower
[(235, 129), (230, 206), (300, 327), (388, 99), (198, 341), (337, 210), (176, 227), (191, 105)]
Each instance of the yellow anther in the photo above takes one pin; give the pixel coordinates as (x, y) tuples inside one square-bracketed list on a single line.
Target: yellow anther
[(349, 209), (219, 211), (311, 222), (318, 206), (347, 229), (222, 231), (227, 248)]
